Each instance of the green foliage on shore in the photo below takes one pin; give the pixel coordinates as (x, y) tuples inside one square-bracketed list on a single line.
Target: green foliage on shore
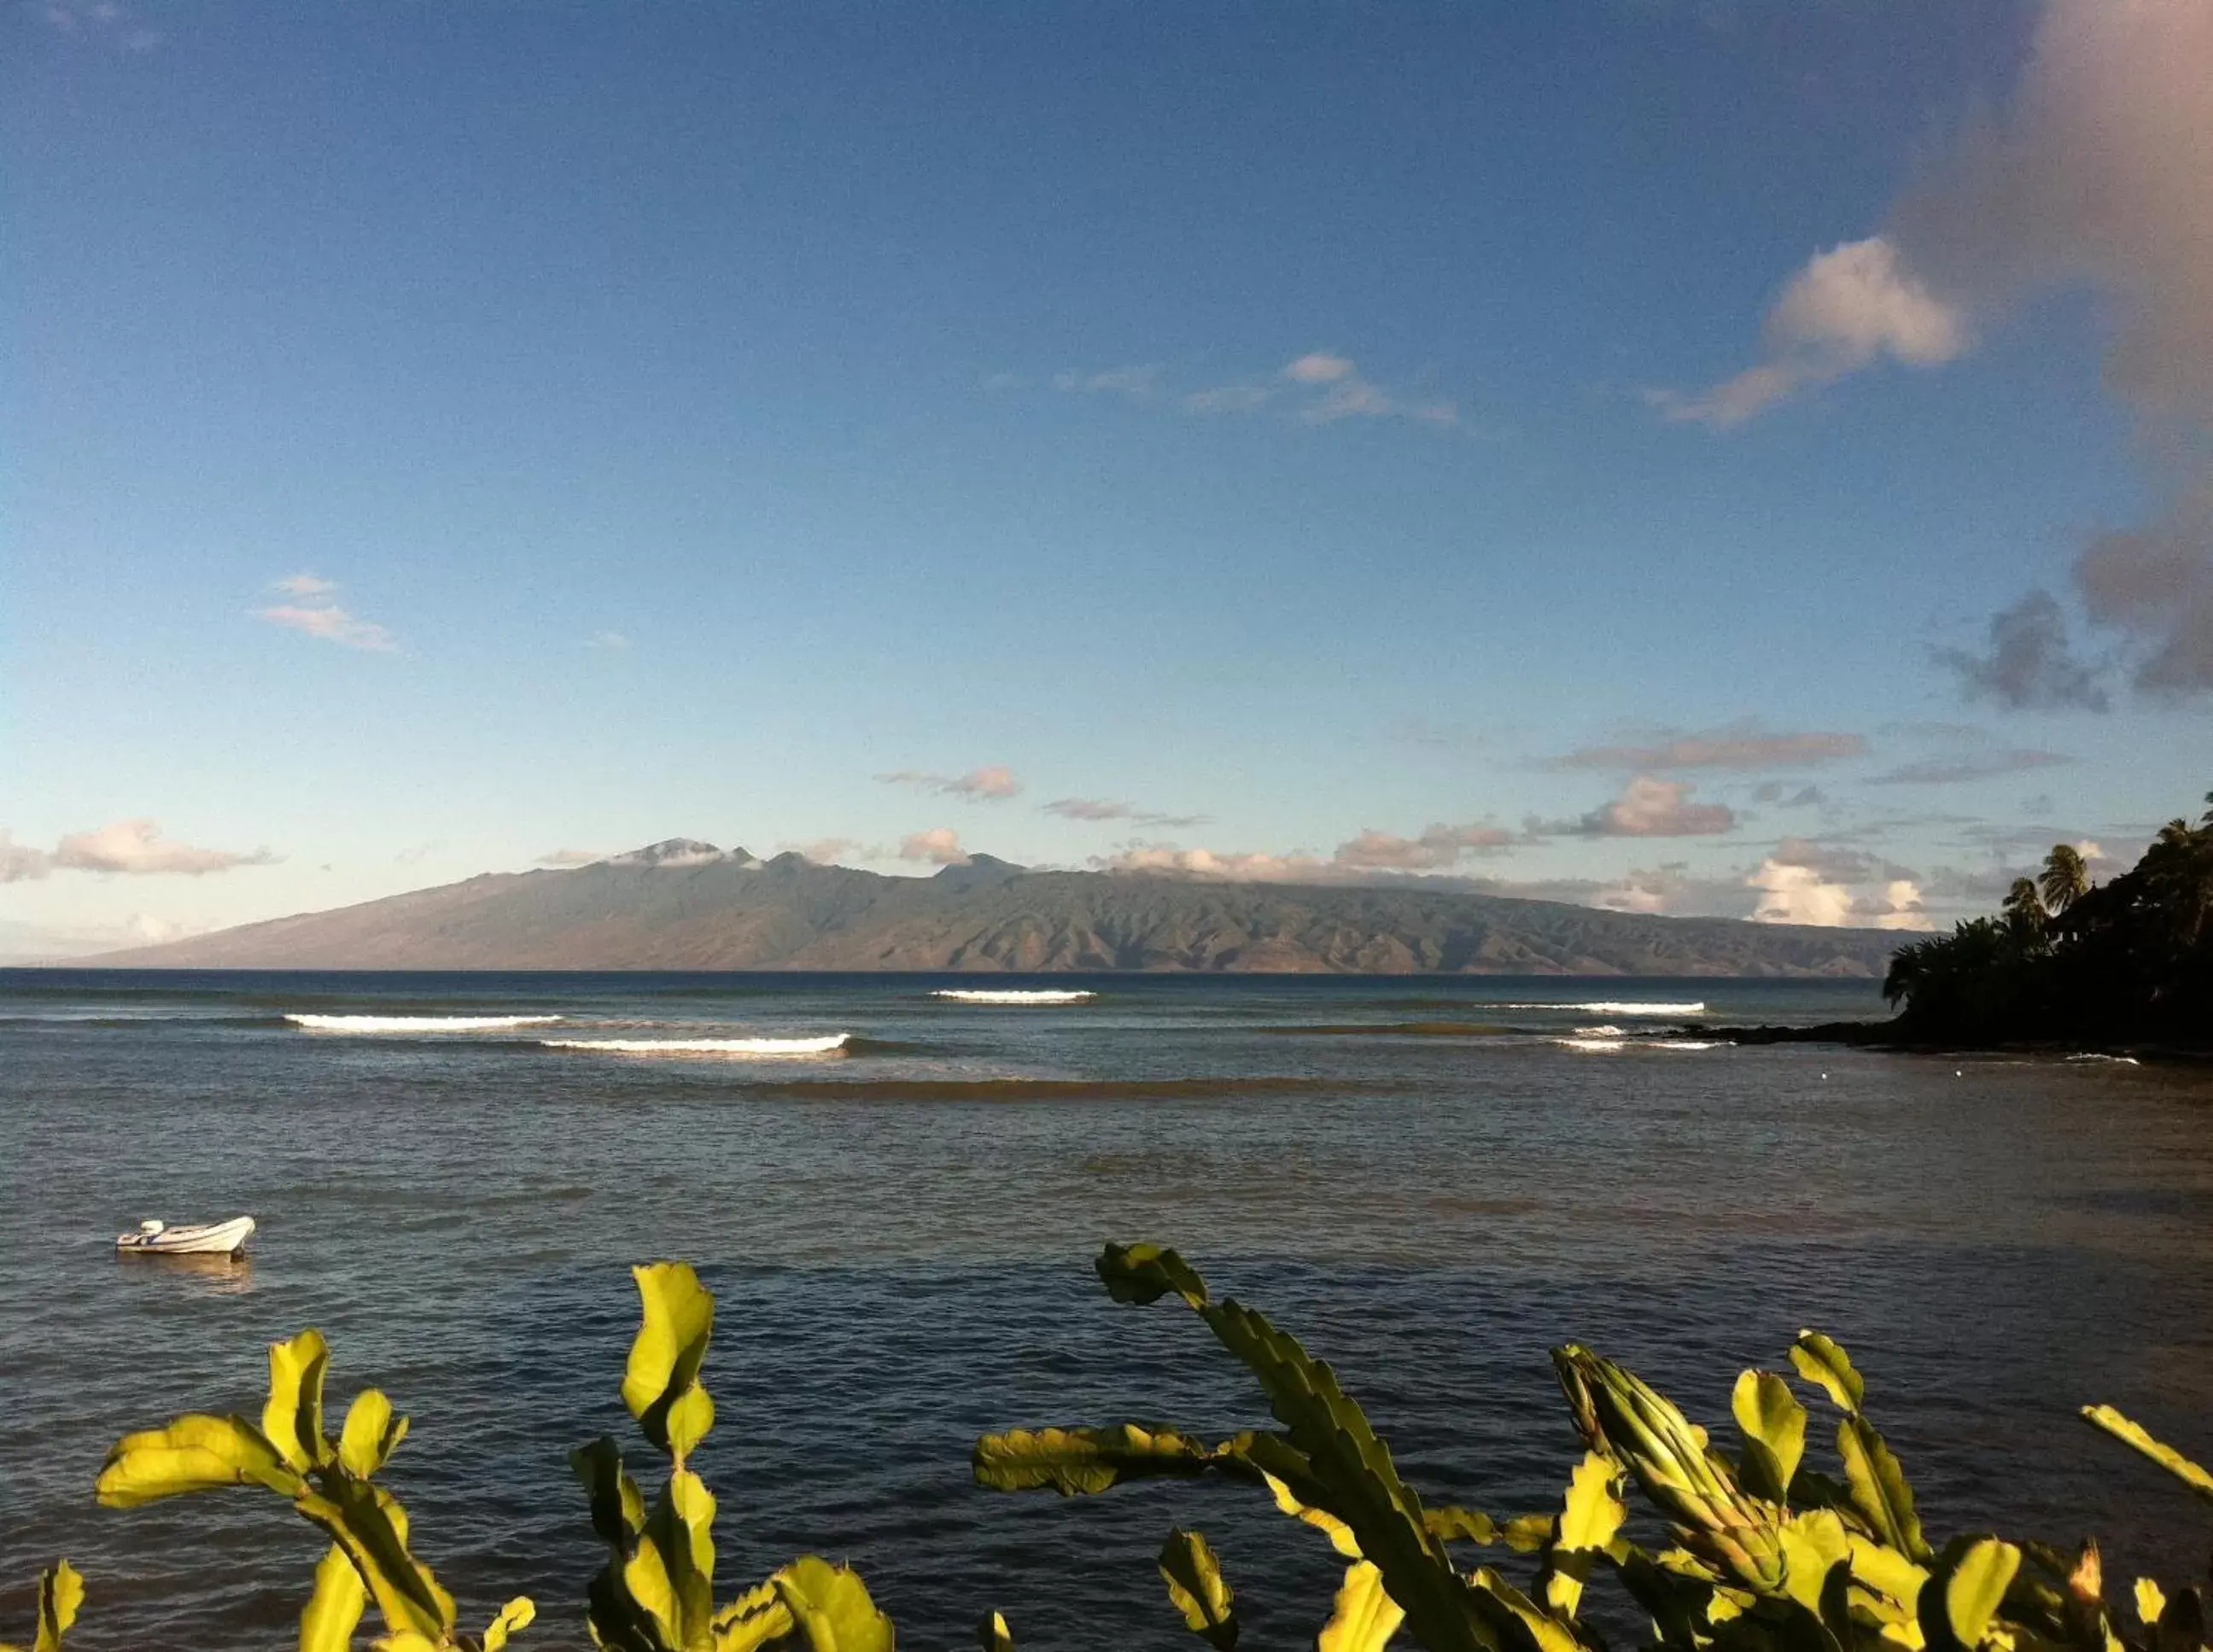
[(2070, 961), (1765, 1551)]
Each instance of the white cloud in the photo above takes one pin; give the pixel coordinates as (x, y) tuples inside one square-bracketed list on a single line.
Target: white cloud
[(137, 847), (1167, 860), (1319, 367), (2093, 176), (992, 783), (1848, 306), (1803, 882), (318, 614), (940, 846), (565, 857), (609, 640)]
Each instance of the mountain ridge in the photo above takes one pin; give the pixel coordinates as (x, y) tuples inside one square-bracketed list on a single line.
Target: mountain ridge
[(683, 904)]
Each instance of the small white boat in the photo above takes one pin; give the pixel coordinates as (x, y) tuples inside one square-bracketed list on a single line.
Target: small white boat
[(214, 1239)]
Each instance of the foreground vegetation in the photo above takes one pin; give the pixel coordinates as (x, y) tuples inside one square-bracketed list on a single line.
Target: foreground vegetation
[(1764, 1552), (2071, 962)]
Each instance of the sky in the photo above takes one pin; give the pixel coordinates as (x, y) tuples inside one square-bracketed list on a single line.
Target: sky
[(1736, 457)]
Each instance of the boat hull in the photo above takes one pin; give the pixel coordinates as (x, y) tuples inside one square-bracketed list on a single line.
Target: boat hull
[(215, 1239)]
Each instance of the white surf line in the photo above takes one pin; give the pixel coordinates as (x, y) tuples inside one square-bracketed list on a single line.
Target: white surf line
[(418, 1023), (1008, 996), (1612, 1008), (771, 1047)]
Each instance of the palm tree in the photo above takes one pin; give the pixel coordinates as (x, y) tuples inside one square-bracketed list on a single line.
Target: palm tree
[(2024, 914), (2065, 879)]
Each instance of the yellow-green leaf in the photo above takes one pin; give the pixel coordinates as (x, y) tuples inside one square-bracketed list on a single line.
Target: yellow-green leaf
[(2134, 1435), (1526, 1534), (1452, 1523), (754, 1619), (365, 1520), (1339, 1533), (1085, 1459), (371, 1432), (292, 1421), (1145, 1273), (1591, 1513), (61, 1592), (195, 1453), (1878, 1566), (663, 1369), (617, 1506), (518, 1614), (992, 1634), (2151, 1601), (333, 1611), (1773, 1424), (1812, 1543), (1515, 1620), (831, 1606), (1967, 1593), (1364, 1616), (1820, 1360), (1879, 1488), (646, 1580), (1198, 1588)]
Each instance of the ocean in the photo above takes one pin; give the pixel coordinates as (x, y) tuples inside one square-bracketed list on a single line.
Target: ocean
[(897, 1195)]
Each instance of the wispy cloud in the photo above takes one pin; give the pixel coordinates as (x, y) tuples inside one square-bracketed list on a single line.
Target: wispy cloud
[(1974, 765), (608, 641), (1319, 387), (1649, 807), (1734, 745), (567, 858), (1435, 847), (939, 846), (316, 612), (993, 784), (101, 22), (131, 847), (1101, 809), (828, 851), (1138, 382)]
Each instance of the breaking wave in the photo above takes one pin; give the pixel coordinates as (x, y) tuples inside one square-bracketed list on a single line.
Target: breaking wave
[(419, 1023), (1007, 996), (1596, 1046), (1610, 1007), (771, 1047)]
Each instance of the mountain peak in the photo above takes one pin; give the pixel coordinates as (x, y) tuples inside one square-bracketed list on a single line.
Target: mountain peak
[(675, 852)]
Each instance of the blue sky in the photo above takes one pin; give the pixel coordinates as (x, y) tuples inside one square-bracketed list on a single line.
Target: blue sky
[(1649, 453)]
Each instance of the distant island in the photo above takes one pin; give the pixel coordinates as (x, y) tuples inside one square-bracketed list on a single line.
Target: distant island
[(2067, 963), (683, 904)]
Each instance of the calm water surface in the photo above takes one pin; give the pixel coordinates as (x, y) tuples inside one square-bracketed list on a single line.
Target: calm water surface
[(1429, 1181)]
